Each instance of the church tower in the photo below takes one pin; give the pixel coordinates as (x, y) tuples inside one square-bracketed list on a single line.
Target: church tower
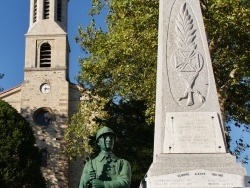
[(46, 98)]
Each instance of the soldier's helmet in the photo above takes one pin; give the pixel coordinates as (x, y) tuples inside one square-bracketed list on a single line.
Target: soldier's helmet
[(102, 131)]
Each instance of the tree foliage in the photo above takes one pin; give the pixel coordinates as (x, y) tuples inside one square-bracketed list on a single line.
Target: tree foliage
[(228, 28), (134, 137), (120, 61), (19, 158), (83, 126)]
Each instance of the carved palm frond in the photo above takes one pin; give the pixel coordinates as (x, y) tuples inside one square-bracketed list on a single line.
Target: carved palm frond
[(186, 32)]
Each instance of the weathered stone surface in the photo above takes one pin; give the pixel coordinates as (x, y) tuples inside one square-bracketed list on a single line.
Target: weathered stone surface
[(189, 143), (185, 81), (198, 178), (193, 132), (177, 163)]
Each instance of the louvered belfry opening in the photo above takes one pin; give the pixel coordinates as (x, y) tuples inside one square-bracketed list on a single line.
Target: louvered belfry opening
[(46, 6), (59, 10), (35, 11), (45, 55)]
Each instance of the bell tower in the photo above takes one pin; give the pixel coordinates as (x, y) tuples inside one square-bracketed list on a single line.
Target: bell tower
[(46, 40), (46, 98), (45, 92)]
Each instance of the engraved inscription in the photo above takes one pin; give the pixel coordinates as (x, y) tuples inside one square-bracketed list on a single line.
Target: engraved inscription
[(192, 131), (186, 60), (196, 178), (195, 132)]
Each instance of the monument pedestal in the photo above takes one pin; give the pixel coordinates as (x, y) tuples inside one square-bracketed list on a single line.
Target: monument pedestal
[(196, 170)]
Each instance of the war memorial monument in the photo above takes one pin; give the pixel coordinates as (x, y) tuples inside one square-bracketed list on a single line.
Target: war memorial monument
[(189, 145)]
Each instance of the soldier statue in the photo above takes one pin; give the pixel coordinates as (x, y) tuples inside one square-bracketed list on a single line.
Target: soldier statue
[(106, 170)]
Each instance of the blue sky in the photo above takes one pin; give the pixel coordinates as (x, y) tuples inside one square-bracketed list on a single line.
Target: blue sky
[(14, 19)]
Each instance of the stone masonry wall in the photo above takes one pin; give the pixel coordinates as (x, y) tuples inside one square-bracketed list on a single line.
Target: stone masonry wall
[(50, 137), (13, 97)]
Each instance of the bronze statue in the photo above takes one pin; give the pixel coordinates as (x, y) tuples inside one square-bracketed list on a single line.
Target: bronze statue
[(106, 170)]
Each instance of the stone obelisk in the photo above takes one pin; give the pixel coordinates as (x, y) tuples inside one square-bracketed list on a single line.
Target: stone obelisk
[(189, 145)]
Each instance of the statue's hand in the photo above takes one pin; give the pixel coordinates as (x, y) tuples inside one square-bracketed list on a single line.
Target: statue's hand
[(96, 183), (92, 175)]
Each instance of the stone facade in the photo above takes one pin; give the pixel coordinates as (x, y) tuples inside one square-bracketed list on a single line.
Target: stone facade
[(59, 171), (46, 98), (13, 97)]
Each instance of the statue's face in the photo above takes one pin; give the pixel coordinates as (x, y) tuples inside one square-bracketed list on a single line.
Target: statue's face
[(106, 142)]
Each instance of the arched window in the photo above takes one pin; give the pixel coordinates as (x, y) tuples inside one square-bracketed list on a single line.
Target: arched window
[(45, 55), (43, 117), (35, 11), (59, 10), (46, 7)]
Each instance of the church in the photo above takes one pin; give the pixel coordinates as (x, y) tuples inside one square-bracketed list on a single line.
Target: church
[(46, 98)]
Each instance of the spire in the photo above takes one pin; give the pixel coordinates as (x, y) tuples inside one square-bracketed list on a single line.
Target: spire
[(48, 16)]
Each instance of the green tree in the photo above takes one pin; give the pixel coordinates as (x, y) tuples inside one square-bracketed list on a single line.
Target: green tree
[(227, 25), (134, 137), (121, 74), (19, 158), (122, 61), (120, 64)]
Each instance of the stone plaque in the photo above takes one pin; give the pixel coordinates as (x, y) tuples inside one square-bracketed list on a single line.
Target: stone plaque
[(197, 178), (193, 132)]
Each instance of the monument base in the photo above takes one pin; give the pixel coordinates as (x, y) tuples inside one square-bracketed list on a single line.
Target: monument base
[(197, 171)]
